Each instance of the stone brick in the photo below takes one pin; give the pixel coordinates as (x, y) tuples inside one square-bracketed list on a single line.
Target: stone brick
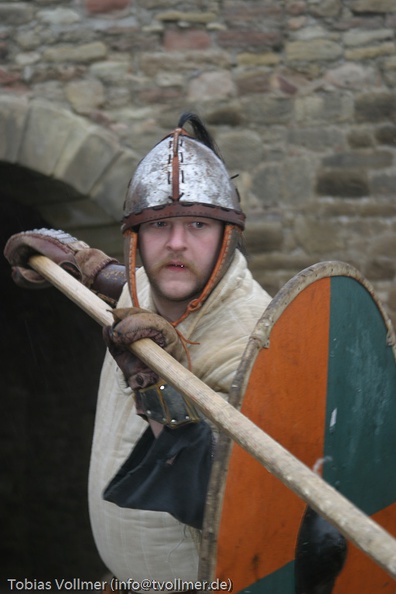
[(258, 59), (87, 155), (211, 86), (186, 40), (81, 53), (267, 110), (323, 109), (383, 184), (152, 63), (375, 107), (253, 82), (15, 13), (267, 184), (13, 114), (380, 268), (242, 14), (187, 17), (110, 189), (98, 6), (264, 236), (377, 159), (386, 135), (370, 52), (369, 6), (254, 40), (85, 95), (229, 115), (325, 8), (59, 16), (359, 37), (342, 182), (353, 76), (317, 237), (241, 149), (361, 138), (316, 139), (45, 137), (313, 50)]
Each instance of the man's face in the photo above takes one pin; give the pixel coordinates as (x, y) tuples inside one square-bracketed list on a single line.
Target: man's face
[(178, 255)]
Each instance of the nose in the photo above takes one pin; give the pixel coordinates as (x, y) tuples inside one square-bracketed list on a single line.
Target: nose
[(177, 237)]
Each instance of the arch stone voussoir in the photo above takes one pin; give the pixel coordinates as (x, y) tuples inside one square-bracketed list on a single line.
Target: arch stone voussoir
[(110, 190), (13, 115)]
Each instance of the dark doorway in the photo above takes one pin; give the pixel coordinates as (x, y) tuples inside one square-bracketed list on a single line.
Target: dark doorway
[(50, 360)]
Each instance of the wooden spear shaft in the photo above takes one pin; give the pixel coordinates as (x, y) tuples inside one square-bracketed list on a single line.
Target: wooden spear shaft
[(360, 529)]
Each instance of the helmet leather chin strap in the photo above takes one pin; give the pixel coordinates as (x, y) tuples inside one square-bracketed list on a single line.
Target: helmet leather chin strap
[(230, 239)]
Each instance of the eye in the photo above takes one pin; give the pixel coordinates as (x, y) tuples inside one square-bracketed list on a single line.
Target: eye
[(198, 225)]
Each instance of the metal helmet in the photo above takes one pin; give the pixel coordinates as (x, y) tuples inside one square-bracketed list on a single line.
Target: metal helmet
[(182, 176)]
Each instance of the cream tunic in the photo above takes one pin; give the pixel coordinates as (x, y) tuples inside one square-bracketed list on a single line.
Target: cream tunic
[(138, 544)]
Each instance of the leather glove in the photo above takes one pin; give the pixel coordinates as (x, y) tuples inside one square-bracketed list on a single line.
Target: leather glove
[(74, 256), (132, 324)]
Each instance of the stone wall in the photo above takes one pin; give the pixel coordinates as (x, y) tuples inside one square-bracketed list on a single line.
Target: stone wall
[(300, 95)]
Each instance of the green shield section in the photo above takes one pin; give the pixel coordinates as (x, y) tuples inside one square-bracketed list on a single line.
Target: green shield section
[(360, 436)]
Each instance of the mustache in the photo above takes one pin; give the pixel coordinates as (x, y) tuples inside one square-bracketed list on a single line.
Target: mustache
[(163, 263)]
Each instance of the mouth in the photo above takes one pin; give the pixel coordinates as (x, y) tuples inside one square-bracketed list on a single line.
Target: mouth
[(176, 265)]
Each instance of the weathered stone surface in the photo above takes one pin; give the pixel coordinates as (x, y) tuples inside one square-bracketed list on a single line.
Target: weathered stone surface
[(348, 183), (186, 40), (353, 76), (109, 192), (316, 139), (245, 40), (317, 236), (361, 138), (368, 53), (44, 138), (188, 17), (212, 86), (363, 37), (315, 50), (377, 6), (98, 6), (59, 16), (383, 184), (258, 59), (322, 109), (265, 236), (13, 114), (325, 8), (189, 61), (363, 160), (267, 110), (386, 135), (82, 53), (375, 107), (88, 154), (85, 95), (242, 149), (15, 13)]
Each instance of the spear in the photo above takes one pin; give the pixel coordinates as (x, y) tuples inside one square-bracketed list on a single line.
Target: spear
[(355, 525)]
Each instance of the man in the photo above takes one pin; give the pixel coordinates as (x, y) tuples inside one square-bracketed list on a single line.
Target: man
[(152, 451)]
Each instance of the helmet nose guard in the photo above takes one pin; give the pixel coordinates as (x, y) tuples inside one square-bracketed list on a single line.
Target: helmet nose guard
[(181, 176)]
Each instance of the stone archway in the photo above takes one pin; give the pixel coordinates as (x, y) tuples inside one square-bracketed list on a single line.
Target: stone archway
[(56, 146), (57, 171)]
